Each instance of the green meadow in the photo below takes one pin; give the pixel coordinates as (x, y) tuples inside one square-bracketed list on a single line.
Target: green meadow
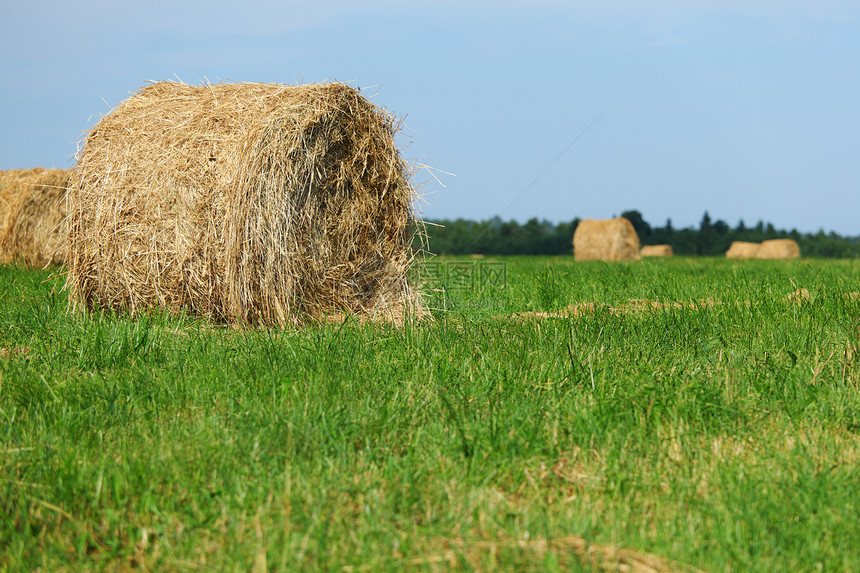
[(663, 415)]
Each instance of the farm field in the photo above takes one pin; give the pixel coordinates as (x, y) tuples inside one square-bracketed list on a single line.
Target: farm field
[(663, 415)]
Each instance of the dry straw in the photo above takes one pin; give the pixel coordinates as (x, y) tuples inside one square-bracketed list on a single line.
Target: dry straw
[(32, 215), (778, 249), (260, 203), (656, 251), (742, 250), (605, 240)]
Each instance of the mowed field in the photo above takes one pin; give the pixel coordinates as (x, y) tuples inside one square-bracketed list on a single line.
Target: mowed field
[(662, 415)]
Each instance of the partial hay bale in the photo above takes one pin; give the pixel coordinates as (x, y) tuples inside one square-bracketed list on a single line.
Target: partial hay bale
[(778, 249), (32, 216), (742, 250), (9, 188), (605, 240), (656, 251), (13, 183), (260, 203)]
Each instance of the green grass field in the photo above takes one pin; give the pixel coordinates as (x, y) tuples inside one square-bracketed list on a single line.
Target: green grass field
[(714, 426)]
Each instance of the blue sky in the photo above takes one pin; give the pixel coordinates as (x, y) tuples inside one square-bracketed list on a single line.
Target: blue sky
[(747, 109)]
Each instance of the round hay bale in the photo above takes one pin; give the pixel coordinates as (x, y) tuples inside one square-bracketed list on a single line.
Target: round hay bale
[(260, 203), (32, 216), (742, 250), (656, 251), (778, 249), (605, 240)]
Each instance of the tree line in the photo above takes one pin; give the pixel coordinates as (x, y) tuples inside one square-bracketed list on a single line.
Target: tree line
[(541, 237)]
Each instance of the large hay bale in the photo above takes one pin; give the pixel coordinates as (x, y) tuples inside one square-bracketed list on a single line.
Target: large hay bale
[(32, 216), (742, 250), (605, 240), (656, 251), (264, 203), (778, 249)]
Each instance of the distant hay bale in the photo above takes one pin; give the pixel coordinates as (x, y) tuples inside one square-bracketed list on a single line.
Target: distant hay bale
[(778, 249), (656, 251), (260, 203), (742, 250), (605, 240), (32, 215), (9, 189)]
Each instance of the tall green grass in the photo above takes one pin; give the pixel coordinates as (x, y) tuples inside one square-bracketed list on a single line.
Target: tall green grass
[(722, 432)]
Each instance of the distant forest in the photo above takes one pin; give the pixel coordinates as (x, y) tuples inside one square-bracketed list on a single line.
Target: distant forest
[(711, 238)]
